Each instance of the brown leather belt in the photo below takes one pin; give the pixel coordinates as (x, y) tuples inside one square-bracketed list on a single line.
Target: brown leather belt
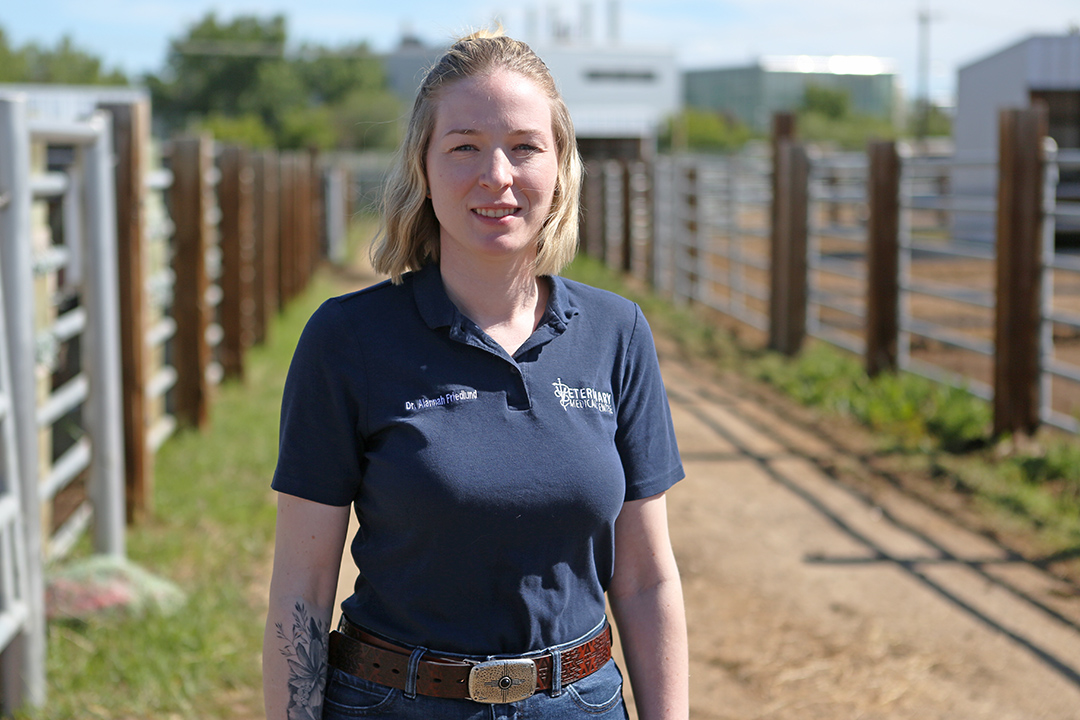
[(496, 681)]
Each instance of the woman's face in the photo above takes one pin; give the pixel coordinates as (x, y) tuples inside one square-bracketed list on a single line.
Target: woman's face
[(491, 167)]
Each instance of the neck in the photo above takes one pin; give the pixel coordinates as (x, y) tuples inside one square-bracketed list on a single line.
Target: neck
[(507, 305)]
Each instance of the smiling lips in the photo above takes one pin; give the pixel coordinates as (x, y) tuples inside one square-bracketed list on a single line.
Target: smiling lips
[(495, 212)]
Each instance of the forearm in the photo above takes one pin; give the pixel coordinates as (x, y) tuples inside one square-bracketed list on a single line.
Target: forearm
[(294, 658), (652, 629), (307, 559)]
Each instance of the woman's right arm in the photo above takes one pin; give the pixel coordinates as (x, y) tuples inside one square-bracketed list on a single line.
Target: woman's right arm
[(307, 559)]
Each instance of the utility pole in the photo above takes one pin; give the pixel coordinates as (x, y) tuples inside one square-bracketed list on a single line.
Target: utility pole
[(922, 120)]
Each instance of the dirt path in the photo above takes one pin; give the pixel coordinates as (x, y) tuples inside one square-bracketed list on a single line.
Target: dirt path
[(810, 599)]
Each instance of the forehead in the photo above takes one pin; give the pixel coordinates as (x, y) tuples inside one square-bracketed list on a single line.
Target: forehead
[(493, 100)]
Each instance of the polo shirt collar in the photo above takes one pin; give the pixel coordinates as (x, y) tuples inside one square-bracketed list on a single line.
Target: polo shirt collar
[(437, 310)]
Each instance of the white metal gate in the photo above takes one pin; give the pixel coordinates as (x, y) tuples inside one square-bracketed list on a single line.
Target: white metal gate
[(60, 295)]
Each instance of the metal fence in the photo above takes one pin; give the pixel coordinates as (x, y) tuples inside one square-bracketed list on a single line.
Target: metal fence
[(882, 262), (60, 283), (1060, 387), (133, 278), (711, 231)]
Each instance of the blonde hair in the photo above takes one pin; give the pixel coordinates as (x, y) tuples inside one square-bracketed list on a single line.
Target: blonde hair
[(409, 236)]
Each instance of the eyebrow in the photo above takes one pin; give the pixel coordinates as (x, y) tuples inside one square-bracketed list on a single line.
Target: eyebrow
[(473, 131)]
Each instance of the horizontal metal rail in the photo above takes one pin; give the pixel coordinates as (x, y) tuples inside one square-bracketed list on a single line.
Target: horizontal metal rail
[(955, 339), (161, 332), (63, 400), (61, 132), (982, 299), (66, 468), (65, 537), (162, 382), (48, 185), (161, 430), (159, 179)]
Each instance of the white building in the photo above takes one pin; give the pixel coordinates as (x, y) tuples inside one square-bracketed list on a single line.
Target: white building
[(619, 95), (1044, 68)]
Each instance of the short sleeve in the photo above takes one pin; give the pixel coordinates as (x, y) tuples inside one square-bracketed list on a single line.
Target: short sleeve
[(320, 444), (645, 436)]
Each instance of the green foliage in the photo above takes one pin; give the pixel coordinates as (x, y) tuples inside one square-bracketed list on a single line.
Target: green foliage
[(914, 412), (832, 103), (318, 98), (307, 127), (367, 120), (852, 132), (703, 131), (826, 117), (936, 123), (248, 130), (65, 63)]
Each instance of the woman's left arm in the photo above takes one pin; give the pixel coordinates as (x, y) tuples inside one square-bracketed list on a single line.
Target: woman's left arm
[(647, 602)]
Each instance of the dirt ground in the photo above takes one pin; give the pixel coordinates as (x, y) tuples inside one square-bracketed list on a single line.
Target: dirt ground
[(819, 587)]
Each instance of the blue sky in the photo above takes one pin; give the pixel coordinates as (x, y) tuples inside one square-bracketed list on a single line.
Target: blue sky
[(133, 34)]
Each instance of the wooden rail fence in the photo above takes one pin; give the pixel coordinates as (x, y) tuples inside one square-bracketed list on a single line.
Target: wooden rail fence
[(828, 236), (135, 276)]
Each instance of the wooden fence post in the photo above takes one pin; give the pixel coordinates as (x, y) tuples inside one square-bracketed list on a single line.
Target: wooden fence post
[(317, 205), (693, 227), (593, 196), (286, 228), (638, 220), (131, 145), (1019, 269), (783, 128), (266, 215), (883, 259), (237, 251), (192, 162), (615, 215), (788, 266)]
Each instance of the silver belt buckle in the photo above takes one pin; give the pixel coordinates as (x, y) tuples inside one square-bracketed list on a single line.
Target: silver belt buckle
[(502, 681)]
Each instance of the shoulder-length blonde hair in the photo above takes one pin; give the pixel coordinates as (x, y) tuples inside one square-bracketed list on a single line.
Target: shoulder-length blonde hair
[(409, 236)]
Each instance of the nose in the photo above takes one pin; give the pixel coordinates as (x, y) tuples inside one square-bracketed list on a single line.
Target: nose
[(498, 171)]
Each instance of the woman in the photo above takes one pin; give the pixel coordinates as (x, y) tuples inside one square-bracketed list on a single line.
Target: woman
[(502, 433)]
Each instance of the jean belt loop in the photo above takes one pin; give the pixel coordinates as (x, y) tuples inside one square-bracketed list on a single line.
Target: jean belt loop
[(410, 674), (556, 672)]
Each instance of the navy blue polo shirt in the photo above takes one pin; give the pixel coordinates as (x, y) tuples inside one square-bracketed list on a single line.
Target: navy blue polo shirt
[(486, 486)]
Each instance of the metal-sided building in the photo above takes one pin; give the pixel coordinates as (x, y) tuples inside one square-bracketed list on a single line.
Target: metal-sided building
[(1040, 68), (752, 93)]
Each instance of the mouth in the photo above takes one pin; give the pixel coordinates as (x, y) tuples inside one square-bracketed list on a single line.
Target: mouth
[(496, 213)]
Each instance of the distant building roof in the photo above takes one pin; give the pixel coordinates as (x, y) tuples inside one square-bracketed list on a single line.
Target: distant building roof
[(829, 64)]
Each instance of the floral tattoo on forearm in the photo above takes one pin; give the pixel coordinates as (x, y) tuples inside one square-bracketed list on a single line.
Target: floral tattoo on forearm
[(305, 648)]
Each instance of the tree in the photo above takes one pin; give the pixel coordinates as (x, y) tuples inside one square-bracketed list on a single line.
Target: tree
[(832, 103), (66, 63), (703, 131), (12, 62), (826, 116), (318, 97), (216, 68)]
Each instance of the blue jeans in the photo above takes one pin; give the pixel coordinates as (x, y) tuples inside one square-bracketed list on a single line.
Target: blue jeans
[(596, 697)]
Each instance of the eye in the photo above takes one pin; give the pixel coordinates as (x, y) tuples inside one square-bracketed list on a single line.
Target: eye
[(526, 148), (467, 147)]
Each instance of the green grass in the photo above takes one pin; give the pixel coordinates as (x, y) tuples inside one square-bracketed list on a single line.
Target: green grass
[(1027, 488), (211, 532)]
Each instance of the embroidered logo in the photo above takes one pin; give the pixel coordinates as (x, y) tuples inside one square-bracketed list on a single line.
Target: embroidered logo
[(583, 398), (448, 398)]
